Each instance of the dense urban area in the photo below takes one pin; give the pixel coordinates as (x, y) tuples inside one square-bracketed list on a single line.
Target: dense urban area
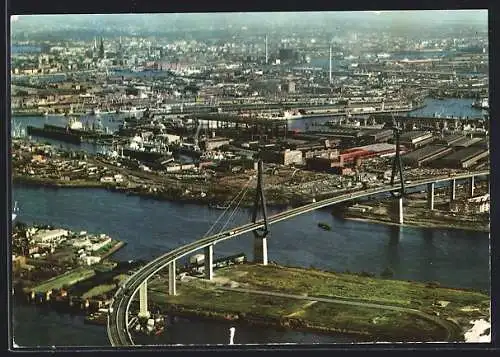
[(188, 117)]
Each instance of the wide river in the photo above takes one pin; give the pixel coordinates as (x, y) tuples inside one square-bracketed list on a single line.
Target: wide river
[(452, 257)]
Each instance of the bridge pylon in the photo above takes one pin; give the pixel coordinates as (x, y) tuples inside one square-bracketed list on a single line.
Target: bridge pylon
[(143, 301), (397, 168), (260, 235)]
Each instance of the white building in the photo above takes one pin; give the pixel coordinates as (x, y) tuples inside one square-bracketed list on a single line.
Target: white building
[(98, 245), (81, 243), (49, 236), (474, 205), (90, 260)]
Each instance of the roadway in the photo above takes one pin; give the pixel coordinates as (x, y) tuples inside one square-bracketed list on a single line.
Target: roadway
[(118, 318)]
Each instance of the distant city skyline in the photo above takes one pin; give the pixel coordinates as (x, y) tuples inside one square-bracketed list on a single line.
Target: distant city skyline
[(399, 18)]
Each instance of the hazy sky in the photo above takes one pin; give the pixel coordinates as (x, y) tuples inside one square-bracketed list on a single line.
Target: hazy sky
[(398, 19)]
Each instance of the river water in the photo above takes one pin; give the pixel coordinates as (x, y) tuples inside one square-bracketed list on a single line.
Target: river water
[(457, 107), (452, 257)]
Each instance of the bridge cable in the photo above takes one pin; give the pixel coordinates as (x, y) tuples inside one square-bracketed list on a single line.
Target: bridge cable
[(234, 210), (228, 207)]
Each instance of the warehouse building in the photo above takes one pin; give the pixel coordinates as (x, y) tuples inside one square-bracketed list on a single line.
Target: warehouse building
[(328, 164), (286, 157), (483, 143), (380, 136), (416, 139), (462, 159), (425, 155), (465, 142), (214, 143), (474, 205), (367, 151), (450, 139)]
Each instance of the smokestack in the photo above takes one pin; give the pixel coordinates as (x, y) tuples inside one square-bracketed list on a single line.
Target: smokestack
[(330, 73), (266, 50)]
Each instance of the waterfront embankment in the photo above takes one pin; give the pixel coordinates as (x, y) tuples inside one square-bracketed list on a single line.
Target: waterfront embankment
[(308, 299), (416, 214)]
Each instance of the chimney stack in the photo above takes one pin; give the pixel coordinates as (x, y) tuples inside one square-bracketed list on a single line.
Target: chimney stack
[(266, 51), (330, 72)]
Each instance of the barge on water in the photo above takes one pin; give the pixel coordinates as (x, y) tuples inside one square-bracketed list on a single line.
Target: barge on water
[(55, 132)]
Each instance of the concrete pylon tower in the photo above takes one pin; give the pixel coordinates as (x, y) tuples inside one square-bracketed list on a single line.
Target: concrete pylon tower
[(330, 67), (260, 236)]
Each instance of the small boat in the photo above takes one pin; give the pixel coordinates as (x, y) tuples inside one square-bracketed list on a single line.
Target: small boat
[(481, 103), (324, 226), (14, 211), (217, 206)]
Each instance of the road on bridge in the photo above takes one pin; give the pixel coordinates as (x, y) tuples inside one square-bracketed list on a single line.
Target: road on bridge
[(118, 333)]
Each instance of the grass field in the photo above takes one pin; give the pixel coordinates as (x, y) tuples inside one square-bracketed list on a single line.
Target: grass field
[(377, 290), (67, 279), (415, 311)]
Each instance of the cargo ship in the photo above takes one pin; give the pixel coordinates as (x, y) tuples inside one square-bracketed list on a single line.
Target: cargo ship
[(56, 133), (481, 103), (146, 152), (188, 149), (146, 155)]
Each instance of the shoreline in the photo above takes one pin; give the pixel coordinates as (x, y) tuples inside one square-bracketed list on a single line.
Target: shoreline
[(207, 200), (330, 303), (283, 324), (415, 224)]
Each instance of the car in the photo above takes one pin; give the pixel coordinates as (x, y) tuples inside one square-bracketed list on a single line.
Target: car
[(231, 233)]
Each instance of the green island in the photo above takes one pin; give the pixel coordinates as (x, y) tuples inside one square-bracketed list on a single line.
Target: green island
[(369, 307)]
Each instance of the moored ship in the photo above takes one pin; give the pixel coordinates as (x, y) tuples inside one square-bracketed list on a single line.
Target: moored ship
[(481, 103), (55, 132)]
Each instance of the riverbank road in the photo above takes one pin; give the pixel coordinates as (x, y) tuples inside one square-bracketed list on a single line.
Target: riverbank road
[(454, 332)]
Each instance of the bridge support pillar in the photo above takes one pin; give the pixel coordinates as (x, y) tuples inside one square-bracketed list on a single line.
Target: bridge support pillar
[(399, 210), (453, 190), (430, 196), (471, 186), (143, 300), (171, 279), (209, 262), (260, 250)]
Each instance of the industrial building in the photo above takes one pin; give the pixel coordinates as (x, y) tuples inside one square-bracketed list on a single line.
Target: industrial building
[(332, 160), (328, 153), (465, 142), (214, 143), (350, 136), (425, 155), (450, 139), (462, 159), (416, 139), (48, 236), (474, 205), (378, 136), (367, 151), (323, 163), (286, 157)]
